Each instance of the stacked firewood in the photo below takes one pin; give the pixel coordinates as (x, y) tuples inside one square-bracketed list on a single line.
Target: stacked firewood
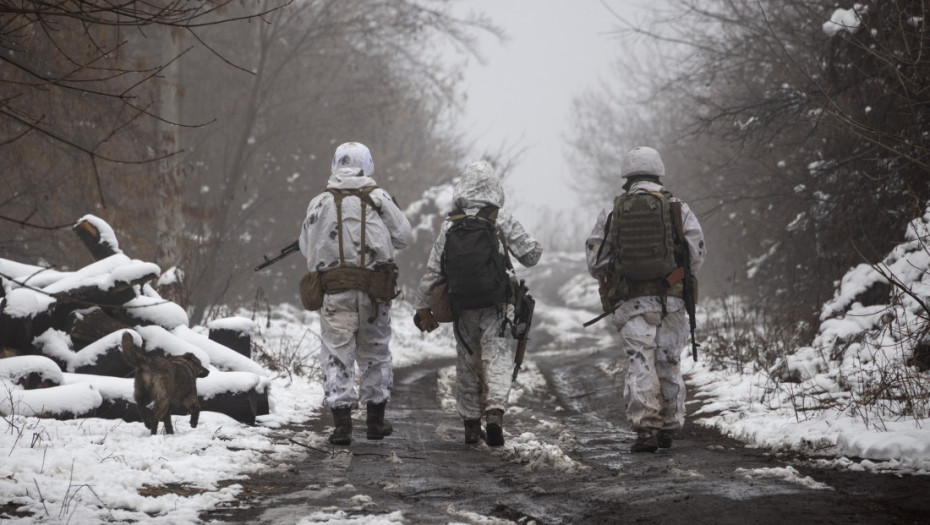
[(60, 335)]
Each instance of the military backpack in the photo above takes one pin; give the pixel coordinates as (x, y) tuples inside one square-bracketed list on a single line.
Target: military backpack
[(473, 263)]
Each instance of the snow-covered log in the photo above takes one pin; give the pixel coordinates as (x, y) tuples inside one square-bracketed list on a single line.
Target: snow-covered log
[(116, 392), (30, 372), (108, 283), (98, 237), (150, 308), (102, 357), (221, 356), (75, 321), (24, 314), (234, 332), (88, 326), (240, 395), (59, 402)]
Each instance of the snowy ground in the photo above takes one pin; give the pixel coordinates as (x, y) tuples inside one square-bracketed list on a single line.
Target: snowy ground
[(96, 470)]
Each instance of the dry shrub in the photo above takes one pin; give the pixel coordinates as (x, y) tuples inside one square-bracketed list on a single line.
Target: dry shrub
[(744, 340)]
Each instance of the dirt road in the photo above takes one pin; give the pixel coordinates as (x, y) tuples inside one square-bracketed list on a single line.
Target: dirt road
[(566, 459)]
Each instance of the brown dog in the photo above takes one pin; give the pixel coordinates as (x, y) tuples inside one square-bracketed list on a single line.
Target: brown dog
[(165, 380)]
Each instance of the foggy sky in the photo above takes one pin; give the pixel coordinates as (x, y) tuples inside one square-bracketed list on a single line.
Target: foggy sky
[(522, 96)]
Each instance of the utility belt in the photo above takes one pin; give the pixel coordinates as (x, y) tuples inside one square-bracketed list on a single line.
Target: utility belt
[(624, 289), (380, 284)]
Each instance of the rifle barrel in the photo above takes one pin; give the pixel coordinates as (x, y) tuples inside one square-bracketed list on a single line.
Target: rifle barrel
[(287, 250)]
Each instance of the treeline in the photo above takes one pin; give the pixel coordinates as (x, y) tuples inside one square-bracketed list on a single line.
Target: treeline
[(200, 130), (797, 129)]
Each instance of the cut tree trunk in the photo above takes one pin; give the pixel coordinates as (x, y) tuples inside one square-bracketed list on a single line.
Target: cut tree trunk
[(90, 236), (89, 296), (86, 328), (238, 341), (110, 362), (18, 332)]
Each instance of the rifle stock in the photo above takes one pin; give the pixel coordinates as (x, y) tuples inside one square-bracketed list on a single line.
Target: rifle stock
[(287, 250)]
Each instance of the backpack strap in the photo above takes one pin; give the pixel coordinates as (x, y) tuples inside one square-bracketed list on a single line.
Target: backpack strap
[(606, 236), (364, 195)]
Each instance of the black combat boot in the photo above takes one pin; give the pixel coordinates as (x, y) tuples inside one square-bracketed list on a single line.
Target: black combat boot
[(342, 434), (664, 438), (378, 427), (645, 441), (495, 427), (472, 431)]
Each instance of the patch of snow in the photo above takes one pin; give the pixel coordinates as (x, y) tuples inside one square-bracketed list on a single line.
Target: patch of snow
[(22, 302), (789, 474), (844, 20), (242, 325)]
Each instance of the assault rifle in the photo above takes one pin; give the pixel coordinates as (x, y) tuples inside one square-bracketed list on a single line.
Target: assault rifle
[(287, 250), (689, 295), (522, 320)]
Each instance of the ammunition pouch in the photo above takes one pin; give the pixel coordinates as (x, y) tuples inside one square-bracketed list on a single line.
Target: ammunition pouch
[(440, 304), (380, 284), (311, 291)]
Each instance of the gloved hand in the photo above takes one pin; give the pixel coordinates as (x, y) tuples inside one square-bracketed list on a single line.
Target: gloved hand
[(424, 320)]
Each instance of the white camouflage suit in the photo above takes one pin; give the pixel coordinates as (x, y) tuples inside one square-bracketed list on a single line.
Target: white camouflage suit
[(353, 328), (483, 375), (654, 387)]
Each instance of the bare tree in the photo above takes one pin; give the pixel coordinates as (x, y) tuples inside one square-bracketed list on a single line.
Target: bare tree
[(807, 139), (324, 72), (86, 117)]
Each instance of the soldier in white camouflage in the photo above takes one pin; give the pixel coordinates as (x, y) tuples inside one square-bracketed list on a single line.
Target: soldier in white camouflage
[(354, 328), (650, 315), (484, 343)]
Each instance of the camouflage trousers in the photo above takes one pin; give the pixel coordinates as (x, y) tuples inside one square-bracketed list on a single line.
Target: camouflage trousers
[(654, 388), (483, 376), (355, 330)]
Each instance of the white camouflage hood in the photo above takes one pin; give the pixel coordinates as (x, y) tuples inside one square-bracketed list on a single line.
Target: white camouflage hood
[(354, 155), (478, 186)]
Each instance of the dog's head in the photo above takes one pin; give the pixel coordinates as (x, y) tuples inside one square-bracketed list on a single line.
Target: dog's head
[(194, 364)]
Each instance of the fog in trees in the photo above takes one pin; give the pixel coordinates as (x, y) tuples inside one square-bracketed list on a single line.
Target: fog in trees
[(796, 130), (202, 131)]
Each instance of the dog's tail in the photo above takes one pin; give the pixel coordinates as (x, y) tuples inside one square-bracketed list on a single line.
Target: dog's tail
[(134, 356)]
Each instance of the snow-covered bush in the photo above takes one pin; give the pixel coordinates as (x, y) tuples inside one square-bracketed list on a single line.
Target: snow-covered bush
[(869, 357)]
